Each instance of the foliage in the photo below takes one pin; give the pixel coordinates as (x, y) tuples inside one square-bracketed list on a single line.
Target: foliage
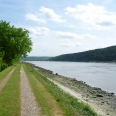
[(14, 44), (35, 58), (100, 55), (3, 65)]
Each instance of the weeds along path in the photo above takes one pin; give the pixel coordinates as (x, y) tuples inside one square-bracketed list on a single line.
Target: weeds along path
[(4, 81), (29, 106)]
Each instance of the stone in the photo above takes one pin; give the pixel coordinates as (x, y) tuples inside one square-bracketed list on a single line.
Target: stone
[(99, 95)]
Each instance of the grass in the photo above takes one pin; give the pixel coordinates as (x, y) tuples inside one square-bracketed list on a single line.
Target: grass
[(5, 72), (10, 95), (69, 104), (49, 106)]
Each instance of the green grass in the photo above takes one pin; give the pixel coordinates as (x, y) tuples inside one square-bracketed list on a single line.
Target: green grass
[(10, 95), (5, 72), (67, 103), (49, 106)]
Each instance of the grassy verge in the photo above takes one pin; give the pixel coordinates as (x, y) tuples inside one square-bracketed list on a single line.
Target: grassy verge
[(49, 106), (67, 103), (5, 72), (10, 95)]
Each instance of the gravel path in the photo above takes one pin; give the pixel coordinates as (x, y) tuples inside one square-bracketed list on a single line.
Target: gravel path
[(29, 106), (3, 83)]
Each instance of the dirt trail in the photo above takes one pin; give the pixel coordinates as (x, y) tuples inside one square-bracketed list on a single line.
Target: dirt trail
[(3, 83), (29, 106), (80, 98)]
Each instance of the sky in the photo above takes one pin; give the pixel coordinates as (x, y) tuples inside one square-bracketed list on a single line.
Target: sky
[(63, 26)]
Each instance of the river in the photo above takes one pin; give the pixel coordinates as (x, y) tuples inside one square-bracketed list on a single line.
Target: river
[(102, 75)]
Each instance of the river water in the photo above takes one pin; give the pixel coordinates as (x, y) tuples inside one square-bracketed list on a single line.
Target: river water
[(102, 75)]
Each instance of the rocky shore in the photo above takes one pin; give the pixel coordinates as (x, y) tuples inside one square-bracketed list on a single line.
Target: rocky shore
[(102, 100)]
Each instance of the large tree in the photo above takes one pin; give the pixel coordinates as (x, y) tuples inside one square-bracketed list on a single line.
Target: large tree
[(14, 43)]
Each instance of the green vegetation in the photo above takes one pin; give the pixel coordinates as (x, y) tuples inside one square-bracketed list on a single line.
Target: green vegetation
[(69, 104), (99, 55), (10, 95), (14, 44), (5, 72), (35, 58), (44, 98)]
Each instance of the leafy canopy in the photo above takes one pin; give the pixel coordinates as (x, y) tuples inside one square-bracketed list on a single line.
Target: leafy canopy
[(14, 43)]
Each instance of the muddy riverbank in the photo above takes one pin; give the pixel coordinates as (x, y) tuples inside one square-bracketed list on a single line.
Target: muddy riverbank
[(95, 97)]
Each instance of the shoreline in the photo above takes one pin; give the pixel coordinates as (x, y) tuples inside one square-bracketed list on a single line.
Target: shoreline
[(104, 101)]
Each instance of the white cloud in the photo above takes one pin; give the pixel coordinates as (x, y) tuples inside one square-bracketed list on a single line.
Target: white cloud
[(72, 26), (40, 45), (42, 49), (92, 14), (38, 31), (70, 44), (45, 14), (34, 17), (66, 35), (88, 36), (48, 13), (69, 35)]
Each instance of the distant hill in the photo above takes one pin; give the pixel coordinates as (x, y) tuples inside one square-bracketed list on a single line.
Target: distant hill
[(35, 58), (97, 55)]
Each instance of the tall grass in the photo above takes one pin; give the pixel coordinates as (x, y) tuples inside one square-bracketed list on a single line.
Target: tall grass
[(10, 95), (5, 72)]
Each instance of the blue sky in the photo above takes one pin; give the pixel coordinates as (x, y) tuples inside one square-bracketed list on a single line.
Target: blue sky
[(63, 26)]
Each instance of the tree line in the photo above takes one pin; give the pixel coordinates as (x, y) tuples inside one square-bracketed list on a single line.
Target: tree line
[(35, 58), (14, 44), (98, 55)]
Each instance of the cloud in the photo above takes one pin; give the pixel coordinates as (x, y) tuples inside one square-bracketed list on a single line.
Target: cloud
[(43, 49), (38, 31), (92, 14), (72, 26), (48, 13), (88, 36), (106, 23), (45, 14), (40, 45), (34, 17), (70, 44), (66, 35), (69, 35)]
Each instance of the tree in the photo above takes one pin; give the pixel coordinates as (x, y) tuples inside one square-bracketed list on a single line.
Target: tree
[(14, 43)]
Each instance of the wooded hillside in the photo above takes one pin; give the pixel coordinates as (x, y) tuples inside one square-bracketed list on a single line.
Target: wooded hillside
[(35, 58), (104, 54)]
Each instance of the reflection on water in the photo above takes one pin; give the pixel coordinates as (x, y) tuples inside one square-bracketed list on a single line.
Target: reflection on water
[(101, 75)]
